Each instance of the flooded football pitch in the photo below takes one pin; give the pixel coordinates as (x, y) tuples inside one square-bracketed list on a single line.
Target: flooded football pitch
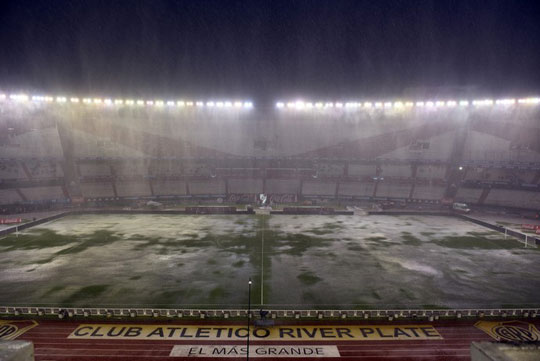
[(294, 262)]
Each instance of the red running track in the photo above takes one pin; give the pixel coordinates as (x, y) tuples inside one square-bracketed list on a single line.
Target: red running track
[(51, 342)]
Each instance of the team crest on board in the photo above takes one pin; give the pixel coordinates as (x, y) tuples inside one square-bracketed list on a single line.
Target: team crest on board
[(11, 329), (510, 331)]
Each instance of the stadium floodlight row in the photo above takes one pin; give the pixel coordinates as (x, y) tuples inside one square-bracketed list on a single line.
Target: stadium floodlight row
[(22, 98), (293, 105), (302, 105)]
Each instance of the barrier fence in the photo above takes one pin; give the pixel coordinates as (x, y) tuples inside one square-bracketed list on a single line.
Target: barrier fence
[(431, 314)]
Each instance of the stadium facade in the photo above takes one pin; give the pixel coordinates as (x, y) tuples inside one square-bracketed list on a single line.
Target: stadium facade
[(70, 150)]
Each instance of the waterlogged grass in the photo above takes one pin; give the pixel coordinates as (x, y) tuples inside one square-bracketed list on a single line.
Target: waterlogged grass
[(477, 242), (204, 263), (308, 278), (295, 244), (217, 294), (38, 238), (86, 294), (375, 239), (46, 238), (410, 240), (96, 239), (238, 264), (54, 289)]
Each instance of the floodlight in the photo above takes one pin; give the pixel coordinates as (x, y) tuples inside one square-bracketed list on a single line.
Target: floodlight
[(74, 100), (505, 101), (19, 97)]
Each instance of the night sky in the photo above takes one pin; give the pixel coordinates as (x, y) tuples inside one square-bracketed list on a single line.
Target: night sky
[(268, 50)]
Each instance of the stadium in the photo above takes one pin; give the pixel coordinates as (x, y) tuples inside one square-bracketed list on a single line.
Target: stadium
[(122, 196), (416, 210)]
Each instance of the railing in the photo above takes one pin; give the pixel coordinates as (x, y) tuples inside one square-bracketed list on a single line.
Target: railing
[(389, 314)]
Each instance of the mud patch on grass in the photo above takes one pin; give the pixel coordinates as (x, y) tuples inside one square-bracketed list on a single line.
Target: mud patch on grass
[(308, 278), (86, 294)]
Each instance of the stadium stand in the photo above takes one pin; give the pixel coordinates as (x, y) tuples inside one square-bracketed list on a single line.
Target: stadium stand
[(500, 175), (165, 168), (131, 168), (396, 171), (284, 172), (134, 188), (513, 198), (44, 142), (311, 188), (9, 196), (330, 170), (43, 193), (431, 171), (207, 187), (97, 190), (356, 189), (197, 169), (432, 192), (248, 185), (362, 170), (389, 190), (169, 187), (94, 169), (468, 195), (282, 186), (11, 170), (302, 153), (44, 169)]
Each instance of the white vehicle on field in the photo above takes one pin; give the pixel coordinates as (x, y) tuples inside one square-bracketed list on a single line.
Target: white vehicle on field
[(461, 207)]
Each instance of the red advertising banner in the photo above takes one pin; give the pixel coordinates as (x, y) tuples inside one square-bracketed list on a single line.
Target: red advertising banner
[(10, 220), (530, 226)]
